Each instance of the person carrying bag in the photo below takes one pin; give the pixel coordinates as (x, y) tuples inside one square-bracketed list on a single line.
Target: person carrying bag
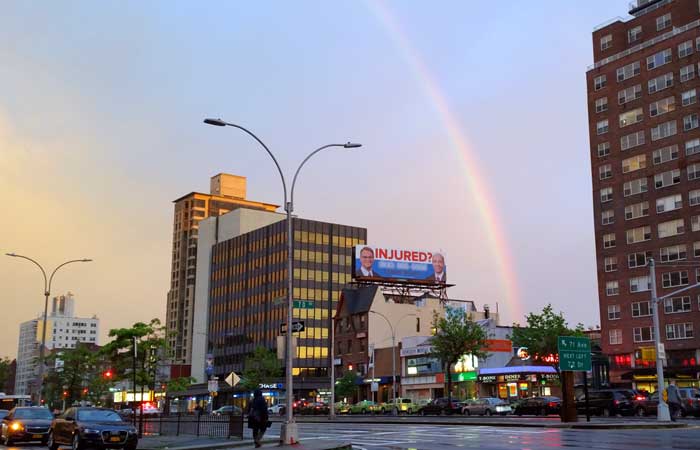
[(258, 419)]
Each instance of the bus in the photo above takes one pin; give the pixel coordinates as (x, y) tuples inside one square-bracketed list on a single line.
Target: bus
[(10, 401)]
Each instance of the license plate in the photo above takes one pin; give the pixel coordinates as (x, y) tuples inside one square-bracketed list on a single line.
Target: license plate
[(37, 436), (114, 439)]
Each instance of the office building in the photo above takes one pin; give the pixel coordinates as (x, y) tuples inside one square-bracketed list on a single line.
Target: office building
[(645, 164), (227, 193)]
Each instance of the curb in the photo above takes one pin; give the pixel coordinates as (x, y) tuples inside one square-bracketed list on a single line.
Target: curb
[(232, 444)]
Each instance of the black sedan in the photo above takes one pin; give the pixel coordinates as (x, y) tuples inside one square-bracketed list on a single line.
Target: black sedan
[(92, 427), (26, 423), (539, 406)]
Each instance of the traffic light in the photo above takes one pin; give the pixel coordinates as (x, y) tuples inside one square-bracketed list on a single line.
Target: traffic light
[(65, 393), (107, 375), (85, 391)]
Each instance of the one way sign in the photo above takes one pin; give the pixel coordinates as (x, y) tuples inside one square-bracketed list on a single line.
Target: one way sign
[(296, 327)]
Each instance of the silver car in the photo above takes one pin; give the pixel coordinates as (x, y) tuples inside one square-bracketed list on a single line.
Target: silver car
[(486, 407)]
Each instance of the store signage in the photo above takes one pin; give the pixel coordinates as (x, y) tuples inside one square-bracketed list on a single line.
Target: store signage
[(382, 263), (412, 351), (511, 377), (487, 378), (271, 386), (523, 353), (499, 345)]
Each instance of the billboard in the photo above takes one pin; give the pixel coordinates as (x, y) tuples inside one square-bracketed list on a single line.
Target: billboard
[(390, 264)]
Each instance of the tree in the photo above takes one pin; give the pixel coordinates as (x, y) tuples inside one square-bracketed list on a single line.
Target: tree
[(179, 384), (541, 334), (346, 385), (456, 335), (77, 375), (262, 366), (5, 364)]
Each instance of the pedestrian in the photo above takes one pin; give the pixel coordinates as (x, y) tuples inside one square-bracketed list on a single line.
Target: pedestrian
[(674, 399), (258, 419)]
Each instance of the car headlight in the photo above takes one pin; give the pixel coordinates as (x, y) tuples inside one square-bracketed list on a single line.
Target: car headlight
[(132, 430), (90, 431), (16, 426)]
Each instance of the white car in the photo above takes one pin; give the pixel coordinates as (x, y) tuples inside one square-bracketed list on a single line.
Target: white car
[(148, 410), (278, 409)]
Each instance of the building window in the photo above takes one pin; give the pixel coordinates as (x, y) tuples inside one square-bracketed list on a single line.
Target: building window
[(609, 240), (666, 154), (687, 73), (679, 331), (606, 194), (643, 334), (608, 217), (613, 312), (676, 305), (693, 172), (660, 83), (689, 97), (615, 337), (692, 146), (600, 82), (638, 259), (610, 263), (606, 42), (602, 127), (696, 249), (630, 117), (663, 22), (671, 228), (695, 223), (612, 288), (672, 253), (632, 140), (694, 197), (603, 149), (605, 171), (633, 163), (601, 105), (639, 234), (658, 59), (668, 178), (629, 94), (662, 106), (673, 279), (640, 284), (635, 187), (670, 203), (634, 34), (690, 122), (663, 130), (637, 210), (641, 309), (685, 48), (628, 71)]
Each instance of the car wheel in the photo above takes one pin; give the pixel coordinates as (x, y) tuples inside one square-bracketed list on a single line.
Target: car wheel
[(421, 413), (542, 412), (488, 412), (409, 412), (76, 442), (519, 412), (639, 412), (51, 444), (606, 412)]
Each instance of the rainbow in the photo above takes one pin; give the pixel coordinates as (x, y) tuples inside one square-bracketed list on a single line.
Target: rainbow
[(477, 185)]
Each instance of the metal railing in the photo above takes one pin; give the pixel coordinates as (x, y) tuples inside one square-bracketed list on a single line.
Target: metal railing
[(194, 425)]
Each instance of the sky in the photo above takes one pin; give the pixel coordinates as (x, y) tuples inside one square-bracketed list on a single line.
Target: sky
[(472, 117)]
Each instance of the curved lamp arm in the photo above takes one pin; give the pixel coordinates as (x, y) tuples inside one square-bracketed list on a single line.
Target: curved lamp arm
[(294, 181), (387, 321), (43, 272), (65, 263)]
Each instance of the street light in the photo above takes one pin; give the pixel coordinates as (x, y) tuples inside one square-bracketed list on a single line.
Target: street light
[(393, 356), (289, 433), (47, 293)]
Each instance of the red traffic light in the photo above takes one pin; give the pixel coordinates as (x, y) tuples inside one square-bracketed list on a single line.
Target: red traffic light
[(85, 391), (108, 374), (65, 393)]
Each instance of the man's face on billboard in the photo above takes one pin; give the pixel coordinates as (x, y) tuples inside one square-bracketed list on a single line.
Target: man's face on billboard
[(367, 259), (438, 263)]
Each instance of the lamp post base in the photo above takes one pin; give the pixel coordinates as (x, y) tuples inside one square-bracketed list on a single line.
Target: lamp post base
[(289, 433), (662, 413)]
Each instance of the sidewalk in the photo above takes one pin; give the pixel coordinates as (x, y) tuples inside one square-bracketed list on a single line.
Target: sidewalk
[(205, 443)]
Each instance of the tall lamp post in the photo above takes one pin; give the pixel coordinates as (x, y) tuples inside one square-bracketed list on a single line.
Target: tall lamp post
[(289, 433), (393, 357), (47, 293)]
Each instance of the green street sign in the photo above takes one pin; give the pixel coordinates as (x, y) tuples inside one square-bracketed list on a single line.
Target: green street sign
[(574, 353), (304, 304)]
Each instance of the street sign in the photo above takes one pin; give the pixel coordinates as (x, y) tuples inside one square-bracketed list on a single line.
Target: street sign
[(296, 327), (232, 379), (375, 386), (213, 386), (304, 304), (662, 351), (574, 353), (282, 345)]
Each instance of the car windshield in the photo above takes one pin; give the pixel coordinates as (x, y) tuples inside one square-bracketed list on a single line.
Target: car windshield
[(98, 415), (33, 413)]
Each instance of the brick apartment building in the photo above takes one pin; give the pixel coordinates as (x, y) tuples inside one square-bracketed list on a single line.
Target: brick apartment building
[(645, 166)]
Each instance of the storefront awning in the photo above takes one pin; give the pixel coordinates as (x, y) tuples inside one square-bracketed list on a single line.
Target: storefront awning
[(517, 369)]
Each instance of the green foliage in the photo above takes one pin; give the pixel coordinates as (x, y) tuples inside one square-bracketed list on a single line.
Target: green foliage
[(540, 335), (456, 335), (346, 385), (179, 384), (4, 371), (260, 367)]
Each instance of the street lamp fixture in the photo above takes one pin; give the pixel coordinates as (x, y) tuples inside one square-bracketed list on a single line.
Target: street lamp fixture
[(47, 293), (289, 433)]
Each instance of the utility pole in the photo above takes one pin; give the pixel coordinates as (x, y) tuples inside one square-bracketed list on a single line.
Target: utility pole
[(134, 388)]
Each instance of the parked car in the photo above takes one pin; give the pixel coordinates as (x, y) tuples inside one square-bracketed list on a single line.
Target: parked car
[(538, 406), (486, 406), (26, 423), (315, 408), (342, 408), (401, 405), (362, 407), (278, 409), (299, 405), (228, 410), (690, 401), (148, 410), (646, 406), (607, 402), (83, 427), (441, 406)]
